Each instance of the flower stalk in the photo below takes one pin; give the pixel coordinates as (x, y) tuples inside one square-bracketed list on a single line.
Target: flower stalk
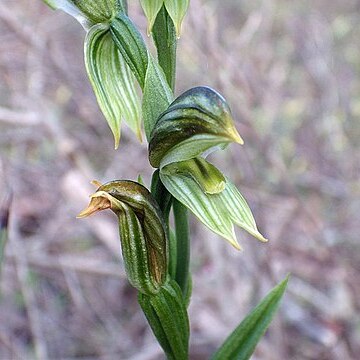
[(181, 132)]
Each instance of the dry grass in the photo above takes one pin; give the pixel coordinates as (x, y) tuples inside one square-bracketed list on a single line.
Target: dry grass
[(290, 71)]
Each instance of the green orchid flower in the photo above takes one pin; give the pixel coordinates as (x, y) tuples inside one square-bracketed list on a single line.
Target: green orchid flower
[(196, 123), (141, 227), (111, 78)]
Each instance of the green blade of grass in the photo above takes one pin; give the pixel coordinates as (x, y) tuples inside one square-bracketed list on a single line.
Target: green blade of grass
[(242, 341)]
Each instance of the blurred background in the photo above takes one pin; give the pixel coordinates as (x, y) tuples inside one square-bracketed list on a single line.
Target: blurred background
[(290, 72)]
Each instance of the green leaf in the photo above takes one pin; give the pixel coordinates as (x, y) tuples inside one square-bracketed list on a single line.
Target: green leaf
[(177, 10), (112, 81), (168, 319), (198, 120), (157, 96), (219, 212), (164, 36), (88, 12), (241, 343), (151, 9), (142, 231)]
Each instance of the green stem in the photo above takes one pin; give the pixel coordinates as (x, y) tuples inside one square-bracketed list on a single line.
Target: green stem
[(160, 194), (183, 245), (165, 40), (164, 199)]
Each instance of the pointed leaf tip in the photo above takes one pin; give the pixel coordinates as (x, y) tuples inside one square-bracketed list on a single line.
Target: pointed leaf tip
[(242, 341)]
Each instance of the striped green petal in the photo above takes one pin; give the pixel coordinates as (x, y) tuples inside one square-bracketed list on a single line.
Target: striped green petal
[(112, 82), (177, 10), (208, 177), (151, 9), (219, 212), (131, 45), (157, 94)]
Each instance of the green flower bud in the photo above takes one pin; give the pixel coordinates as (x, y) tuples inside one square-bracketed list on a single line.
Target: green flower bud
[(142, 234), (89, 13), (196, 121)]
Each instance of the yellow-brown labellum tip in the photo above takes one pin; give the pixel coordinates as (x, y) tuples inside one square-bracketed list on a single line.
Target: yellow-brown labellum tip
[(96, 183), (97, 203)]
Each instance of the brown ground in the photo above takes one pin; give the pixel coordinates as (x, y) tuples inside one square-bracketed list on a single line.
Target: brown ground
[(290, 71)]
